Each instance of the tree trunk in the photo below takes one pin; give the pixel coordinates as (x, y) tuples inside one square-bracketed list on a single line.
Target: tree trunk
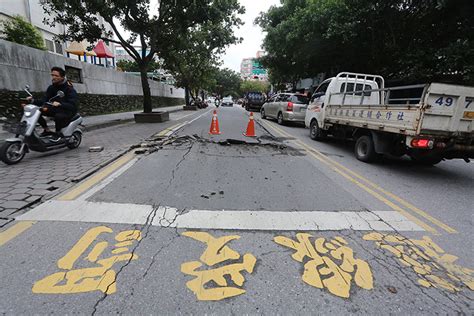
[(146, 89), (186, 95)]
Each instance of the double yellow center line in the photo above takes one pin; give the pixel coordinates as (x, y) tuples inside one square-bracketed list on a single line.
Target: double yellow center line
[(395, 202)]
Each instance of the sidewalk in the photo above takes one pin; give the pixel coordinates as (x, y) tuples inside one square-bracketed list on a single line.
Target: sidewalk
[(41, 175), (100, 121)]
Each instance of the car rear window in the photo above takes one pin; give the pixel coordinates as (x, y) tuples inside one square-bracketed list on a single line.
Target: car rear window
[(299, 99)]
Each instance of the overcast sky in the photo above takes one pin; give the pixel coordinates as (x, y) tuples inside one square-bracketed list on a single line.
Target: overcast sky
[(252, 34)]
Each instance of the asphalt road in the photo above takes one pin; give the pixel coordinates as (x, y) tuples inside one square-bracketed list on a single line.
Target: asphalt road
[(229, 224)]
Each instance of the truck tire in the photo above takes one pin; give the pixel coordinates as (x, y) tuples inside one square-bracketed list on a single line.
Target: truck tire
[(364, 149), (316, 133)]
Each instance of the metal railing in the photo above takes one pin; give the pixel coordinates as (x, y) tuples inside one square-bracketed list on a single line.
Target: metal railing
[(385, 94)]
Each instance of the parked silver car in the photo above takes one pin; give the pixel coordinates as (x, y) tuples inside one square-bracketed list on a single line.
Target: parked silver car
[(286, 107)]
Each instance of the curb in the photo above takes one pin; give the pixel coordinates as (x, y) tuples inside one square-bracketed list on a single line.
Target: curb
[(94, 169)]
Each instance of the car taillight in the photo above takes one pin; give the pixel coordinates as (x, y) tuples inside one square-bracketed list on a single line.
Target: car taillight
[(290, 107), (422, 143)]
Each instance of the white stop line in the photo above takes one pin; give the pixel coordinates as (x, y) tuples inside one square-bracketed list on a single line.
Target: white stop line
[(122, 213)]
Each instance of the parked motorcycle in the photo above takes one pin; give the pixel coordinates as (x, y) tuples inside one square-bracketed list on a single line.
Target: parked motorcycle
[(27, 138), (200, 104)]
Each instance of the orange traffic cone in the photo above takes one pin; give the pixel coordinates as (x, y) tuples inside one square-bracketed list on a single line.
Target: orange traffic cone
[(214, 130), (250, 127)]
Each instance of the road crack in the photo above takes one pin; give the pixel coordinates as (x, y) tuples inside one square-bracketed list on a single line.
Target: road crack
[(146, 227)]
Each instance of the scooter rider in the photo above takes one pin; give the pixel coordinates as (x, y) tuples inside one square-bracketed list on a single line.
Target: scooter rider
[(63, 108)]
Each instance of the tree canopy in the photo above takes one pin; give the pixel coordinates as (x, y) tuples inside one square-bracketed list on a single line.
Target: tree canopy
[(404, 40), (250, 85), (194, 56), (20, 31), (159, 27), (227, 82), (132, 66)]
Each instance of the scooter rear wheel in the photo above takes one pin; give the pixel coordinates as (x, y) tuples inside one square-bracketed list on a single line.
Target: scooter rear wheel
[(75, 140), (10, 153)]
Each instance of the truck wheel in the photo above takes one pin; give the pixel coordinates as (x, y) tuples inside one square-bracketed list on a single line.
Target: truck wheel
[(10, 153), (315, 132), (364, 149)]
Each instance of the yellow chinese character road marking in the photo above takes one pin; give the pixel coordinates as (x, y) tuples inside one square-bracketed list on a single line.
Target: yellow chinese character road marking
[(433, 266), (323, 271), (101, 277), (217, 252)]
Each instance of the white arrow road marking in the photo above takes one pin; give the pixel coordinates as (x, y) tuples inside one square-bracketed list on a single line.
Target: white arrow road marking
[(119, 213)]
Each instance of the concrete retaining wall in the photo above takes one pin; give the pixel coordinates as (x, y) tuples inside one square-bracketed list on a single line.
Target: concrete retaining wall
[(102, 90)]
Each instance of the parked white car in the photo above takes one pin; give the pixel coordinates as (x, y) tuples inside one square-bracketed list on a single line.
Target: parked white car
[(211, 101)]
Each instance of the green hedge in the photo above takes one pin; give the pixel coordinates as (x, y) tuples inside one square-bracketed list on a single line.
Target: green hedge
[(89, 104)]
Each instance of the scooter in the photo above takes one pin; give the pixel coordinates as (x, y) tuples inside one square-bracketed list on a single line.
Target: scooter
[(27, 138)]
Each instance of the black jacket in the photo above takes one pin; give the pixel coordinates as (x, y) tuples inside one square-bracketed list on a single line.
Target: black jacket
[(68, 102)]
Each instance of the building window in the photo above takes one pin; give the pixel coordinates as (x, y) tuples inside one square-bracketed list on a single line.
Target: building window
[(73, 74), (49, 45), (59, 48)]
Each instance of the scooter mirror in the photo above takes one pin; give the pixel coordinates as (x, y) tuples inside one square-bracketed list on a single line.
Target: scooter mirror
[(27, 90), (60, 94)]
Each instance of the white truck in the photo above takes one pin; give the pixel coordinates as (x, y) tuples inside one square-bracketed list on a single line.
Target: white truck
[(428, 122)]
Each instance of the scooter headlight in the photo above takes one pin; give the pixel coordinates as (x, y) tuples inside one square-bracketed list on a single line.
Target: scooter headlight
[(28, 114)]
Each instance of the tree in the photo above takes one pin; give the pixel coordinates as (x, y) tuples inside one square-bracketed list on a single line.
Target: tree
[(195, 55), (157, 27), (227, 82), (405, 41), (250, 85), (20, 31), (132, 66)]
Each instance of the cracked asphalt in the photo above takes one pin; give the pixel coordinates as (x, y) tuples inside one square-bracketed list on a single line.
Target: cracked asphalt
[(192, 170)]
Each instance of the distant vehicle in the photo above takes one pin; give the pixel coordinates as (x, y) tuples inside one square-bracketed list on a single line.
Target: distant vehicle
[(254, 100), (428, 122), (286, 107), (211, 101), (227, 101)]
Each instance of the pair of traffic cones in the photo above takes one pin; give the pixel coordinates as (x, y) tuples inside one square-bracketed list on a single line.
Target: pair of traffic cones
[(214, 130)]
